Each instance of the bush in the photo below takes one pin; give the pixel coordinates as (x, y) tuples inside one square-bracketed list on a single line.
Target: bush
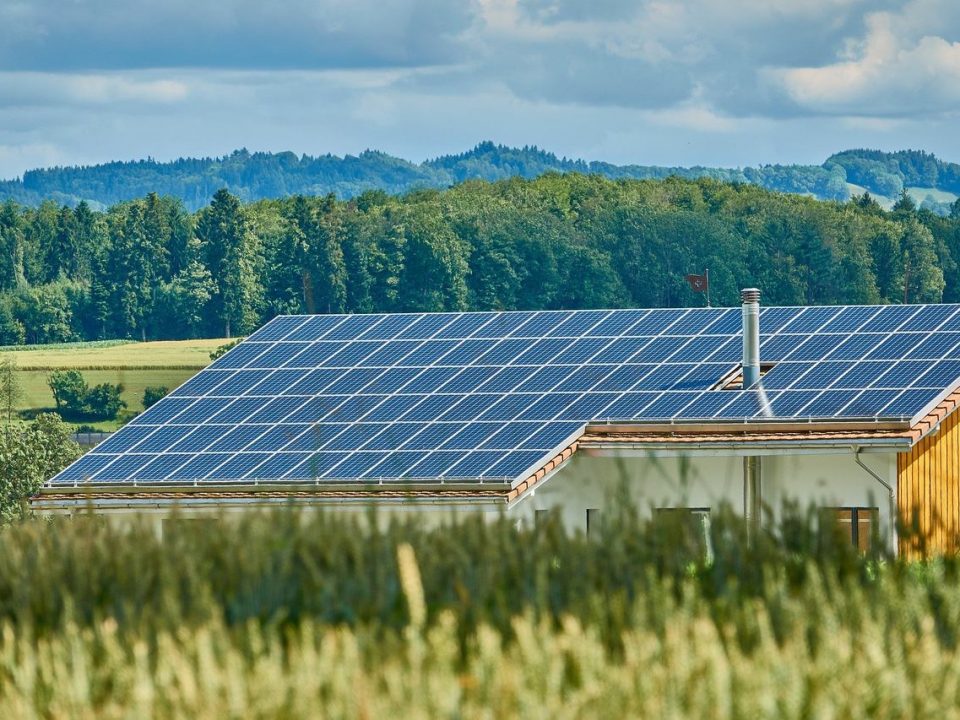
[(153, 394), (224, 349), (103, 402), (75, 399)]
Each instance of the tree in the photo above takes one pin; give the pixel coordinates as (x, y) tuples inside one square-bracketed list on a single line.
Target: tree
[(10, 388), (228, 248), (102, 402), (69, 389), (152, 394), (29, 456)]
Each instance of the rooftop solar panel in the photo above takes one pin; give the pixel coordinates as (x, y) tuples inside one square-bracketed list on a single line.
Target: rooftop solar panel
[(484, 395)]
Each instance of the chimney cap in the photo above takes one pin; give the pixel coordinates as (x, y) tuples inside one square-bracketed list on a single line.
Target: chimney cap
[(750, 295)]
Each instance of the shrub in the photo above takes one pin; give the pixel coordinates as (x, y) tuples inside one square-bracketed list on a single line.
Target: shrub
[(103, 402), (224, 349), (153, 394), (75, 399)]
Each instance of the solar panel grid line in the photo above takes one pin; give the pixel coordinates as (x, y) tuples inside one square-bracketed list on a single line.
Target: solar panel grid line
[(212, 472), (905, 389), (400, 418), (873, 384), (547, 394), (415, 321), (520, 444), (882, 337)]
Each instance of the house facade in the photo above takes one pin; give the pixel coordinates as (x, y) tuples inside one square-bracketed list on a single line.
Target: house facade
[(850, 409)]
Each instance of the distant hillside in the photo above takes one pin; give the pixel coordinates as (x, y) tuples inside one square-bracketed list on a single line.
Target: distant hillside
[(255, 176)]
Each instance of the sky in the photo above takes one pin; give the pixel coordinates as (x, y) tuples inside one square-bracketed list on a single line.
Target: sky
[(661, 82)]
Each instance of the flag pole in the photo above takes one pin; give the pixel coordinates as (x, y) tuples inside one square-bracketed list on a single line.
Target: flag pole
[(706, 274)]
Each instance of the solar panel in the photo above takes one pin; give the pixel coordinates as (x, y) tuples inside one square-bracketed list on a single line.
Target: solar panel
[(488, 395)]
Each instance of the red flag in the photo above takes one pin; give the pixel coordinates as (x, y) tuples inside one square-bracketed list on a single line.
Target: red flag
[(699, 283)]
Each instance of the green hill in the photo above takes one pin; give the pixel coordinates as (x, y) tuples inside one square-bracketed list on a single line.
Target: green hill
[(261, 175)]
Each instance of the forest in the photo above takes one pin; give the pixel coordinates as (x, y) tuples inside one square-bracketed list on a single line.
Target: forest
[(265, 175), (150, 269)]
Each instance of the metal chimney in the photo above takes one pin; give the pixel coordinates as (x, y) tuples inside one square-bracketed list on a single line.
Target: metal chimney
[(750, 297)]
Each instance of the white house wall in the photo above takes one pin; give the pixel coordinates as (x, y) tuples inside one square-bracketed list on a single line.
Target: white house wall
[(592, 481)]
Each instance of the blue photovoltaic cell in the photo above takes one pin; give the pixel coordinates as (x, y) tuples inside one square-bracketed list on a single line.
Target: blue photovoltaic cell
[(202, 383), (616, 324), (870, 402), (510, 435), (474, 464), (629, 406), (934, 347), (316, 327), (393, 436), (240, 355), (276, 382), (390, 327), (425, 326), (277, 436), (503, 324), (122, 468), (121, 442), (291, 354), (856, 347), (353, 327), (773, 319), (300, 467), (850, 319), (910, 402), (238, 466), (587, 406), (199, 438), (895, 346), (578, 323), (470, 436), (313, 383), (890, 319), (433, 435), (238, 438), (278, 465), (352, 354), (352, 381), (810, 320), (514, 463), (397, 464), (163, 411), (277, 328), (84, 468), (376, 397), (465, 325), (160, 467), (238, 383), (434, 464), (159, 441), (551, 435)]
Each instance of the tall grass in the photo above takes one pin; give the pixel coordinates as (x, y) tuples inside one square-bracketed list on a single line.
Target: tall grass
[(310, 615)]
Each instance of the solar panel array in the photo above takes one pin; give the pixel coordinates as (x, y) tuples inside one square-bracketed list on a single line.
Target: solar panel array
[(488, 396)]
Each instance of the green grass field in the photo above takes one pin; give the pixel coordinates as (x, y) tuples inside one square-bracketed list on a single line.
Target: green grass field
[(135, 365)]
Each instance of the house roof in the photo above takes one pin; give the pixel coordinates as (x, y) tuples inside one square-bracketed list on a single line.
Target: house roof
[(418, 400)]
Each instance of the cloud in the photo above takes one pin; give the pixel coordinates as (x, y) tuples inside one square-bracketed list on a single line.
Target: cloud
[(308, 34), (887, 75)]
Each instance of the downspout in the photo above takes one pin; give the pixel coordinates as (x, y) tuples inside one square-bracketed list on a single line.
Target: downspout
[(891, 494), (752, 492)]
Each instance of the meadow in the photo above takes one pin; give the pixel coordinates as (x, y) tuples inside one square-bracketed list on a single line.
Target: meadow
[(135, 365), (289, 615)]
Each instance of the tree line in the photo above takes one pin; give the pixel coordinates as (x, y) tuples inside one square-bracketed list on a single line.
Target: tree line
[(149, 269), (261, 175)]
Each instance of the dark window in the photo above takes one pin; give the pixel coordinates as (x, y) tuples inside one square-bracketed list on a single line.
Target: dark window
[(691, 525), (593, 520), (857, 524)]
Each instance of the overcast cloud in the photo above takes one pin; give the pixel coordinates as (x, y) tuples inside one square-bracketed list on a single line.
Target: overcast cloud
[(710, 82)]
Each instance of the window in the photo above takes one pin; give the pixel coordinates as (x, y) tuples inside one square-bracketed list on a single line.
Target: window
[(858, 524), (691, 523), (593, 520)]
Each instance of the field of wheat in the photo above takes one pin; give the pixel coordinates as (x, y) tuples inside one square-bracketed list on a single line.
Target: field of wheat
[(292, 615)]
